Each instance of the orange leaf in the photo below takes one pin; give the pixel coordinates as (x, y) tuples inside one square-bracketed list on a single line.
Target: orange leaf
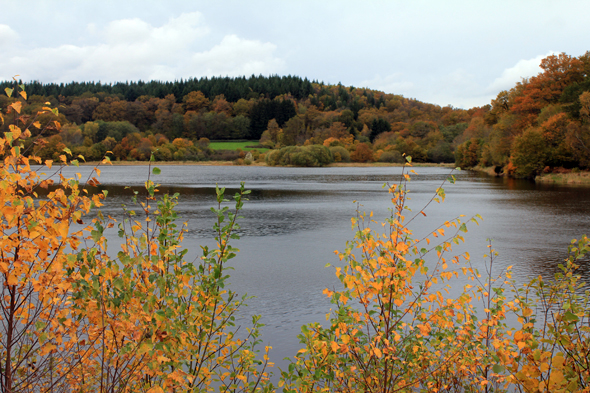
[(12, 279)]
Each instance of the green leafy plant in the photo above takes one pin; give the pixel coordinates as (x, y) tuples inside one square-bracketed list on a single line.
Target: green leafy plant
[(163, 323)]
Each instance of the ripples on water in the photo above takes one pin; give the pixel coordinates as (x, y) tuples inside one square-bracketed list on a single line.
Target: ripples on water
[(297, 217)]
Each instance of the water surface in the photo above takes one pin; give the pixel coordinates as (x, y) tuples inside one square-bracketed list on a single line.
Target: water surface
[(297, 217)]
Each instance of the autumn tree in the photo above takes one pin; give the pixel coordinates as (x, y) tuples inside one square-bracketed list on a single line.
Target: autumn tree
[(362, 153), (391, 329), (294, 132), (559, 71), (162, 323), (41, 340)]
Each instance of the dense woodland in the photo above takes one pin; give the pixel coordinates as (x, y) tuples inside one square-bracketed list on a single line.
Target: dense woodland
[(541, 124)]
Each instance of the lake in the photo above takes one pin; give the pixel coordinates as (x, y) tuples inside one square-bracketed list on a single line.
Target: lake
[(296, 217)]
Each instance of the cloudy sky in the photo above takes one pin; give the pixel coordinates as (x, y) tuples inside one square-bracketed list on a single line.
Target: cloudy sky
[(459, 53)]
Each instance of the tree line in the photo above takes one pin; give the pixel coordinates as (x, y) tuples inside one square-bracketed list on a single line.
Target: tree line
[(542, 124)]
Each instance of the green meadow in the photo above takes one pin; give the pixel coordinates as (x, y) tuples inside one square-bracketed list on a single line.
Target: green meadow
[(233, 145)]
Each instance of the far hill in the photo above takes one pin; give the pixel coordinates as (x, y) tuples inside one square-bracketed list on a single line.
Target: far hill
[(134, 119)]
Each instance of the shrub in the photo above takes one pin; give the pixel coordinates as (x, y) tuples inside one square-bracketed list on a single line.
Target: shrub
[(203, 143), (392, 156), (393, 329), (340, 154), (313, 155), (224, 155), (78, 319)]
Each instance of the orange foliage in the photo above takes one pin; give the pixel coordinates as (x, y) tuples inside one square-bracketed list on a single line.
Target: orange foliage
[(362, 153)]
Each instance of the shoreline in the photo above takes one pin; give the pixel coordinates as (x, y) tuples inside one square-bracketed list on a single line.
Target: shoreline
[(231, 163), (571, 178), (579, 178)]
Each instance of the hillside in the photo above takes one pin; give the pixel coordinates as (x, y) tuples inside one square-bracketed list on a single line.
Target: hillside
[(541, 123)]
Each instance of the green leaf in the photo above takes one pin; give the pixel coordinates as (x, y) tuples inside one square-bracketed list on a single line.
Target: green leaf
[(570, 316), (40, 325), (497, 368), (463, 228), (8, 91), (156, 171)]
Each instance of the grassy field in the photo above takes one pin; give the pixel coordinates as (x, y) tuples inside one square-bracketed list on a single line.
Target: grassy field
[(232, 145)]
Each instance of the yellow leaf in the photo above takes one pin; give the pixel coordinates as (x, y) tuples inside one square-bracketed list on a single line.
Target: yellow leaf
[(334, 346), (16, 106), (556, 378), (156, 389), (377, 352), (558, 361), (23, 94)]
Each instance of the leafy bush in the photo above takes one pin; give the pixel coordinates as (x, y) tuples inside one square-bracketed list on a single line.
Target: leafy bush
[(393, 329), (77, 319), (224, 155), (392, 156), (340, 154), (307, 156)]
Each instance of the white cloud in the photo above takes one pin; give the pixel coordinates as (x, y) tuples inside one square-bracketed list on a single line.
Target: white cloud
[(8, 36), (132, 49), (236, 56), (522, 69), (393, 83)]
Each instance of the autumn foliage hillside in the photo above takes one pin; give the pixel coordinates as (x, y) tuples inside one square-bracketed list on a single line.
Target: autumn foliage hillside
[(541, 124), (135, 119)]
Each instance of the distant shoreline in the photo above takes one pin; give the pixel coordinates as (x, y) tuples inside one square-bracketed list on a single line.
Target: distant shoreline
[(570, 178), (230, 163)]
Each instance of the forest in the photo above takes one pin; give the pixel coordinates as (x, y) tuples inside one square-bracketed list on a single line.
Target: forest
[(540, 125)]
